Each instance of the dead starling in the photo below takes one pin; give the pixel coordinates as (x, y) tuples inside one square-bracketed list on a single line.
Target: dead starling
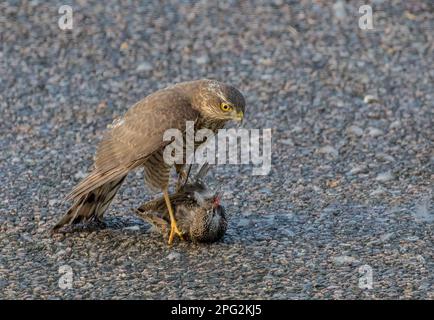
[(200, 216)]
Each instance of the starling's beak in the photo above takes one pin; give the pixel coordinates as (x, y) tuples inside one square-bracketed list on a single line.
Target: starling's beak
[(216, 201), (217, 196)]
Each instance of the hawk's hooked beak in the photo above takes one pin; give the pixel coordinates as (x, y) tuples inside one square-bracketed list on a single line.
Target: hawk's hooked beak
[(239, 116)]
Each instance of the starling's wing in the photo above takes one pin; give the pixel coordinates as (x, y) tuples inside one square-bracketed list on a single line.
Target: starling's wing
[(159, 204), (155, 212), (136, 136), (160, 224), (184, 214)]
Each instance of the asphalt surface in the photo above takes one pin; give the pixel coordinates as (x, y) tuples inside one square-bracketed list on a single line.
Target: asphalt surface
[(351, 182)]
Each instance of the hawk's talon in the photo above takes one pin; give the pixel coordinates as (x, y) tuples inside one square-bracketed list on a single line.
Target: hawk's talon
[(173, 227), (174, 230)]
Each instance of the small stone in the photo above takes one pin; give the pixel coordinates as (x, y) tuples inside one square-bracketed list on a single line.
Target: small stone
[(40, 230), (101, 106), (287, 142), (144, 66), (370, 99), (27, 237), (87, 286), (60, 253), (80, 175), (385, 157), (332, 183), (377, 192), (343, 260), (288, 233), (174, 256), (265, 190), (266, 62), (358, 169), (329, 150), (354, 130), (384, 177), (296, 129), (387, 236), (202, 60), (395, 124), (243, 222), (316, 188), (420, 258), (422, 211), (374, 132)]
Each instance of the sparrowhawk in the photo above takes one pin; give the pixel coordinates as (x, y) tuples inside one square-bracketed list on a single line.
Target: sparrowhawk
[(136, 140)]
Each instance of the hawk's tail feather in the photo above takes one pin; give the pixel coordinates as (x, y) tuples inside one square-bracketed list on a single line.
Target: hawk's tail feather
[(92, 205), (95, 180)]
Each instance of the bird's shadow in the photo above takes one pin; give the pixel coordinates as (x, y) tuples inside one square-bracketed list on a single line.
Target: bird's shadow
[(241, 230)]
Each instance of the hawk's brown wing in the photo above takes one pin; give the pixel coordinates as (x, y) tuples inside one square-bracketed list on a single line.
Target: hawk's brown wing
[(136, 136)]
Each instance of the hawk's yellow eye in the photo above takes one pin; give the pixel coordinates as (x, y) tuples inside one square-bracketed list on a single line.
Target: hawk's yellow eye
[(225, 107)]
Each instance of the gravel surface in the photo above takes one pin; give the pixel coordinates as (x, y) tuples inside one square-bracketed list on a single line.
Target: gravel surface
[(351, 113)]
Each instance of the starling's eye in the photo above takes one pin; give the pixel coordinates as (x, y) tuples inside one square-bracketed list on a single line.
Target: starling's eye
[(225, 107)]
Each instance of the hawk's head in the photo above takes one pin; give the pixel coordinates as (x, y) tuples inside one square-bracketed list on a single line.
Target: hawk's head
[(220, 101)]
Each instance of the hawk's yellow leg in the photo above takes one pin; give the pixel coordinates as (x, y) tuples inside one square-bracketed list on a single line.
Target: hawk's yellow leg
[(173, 227)]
